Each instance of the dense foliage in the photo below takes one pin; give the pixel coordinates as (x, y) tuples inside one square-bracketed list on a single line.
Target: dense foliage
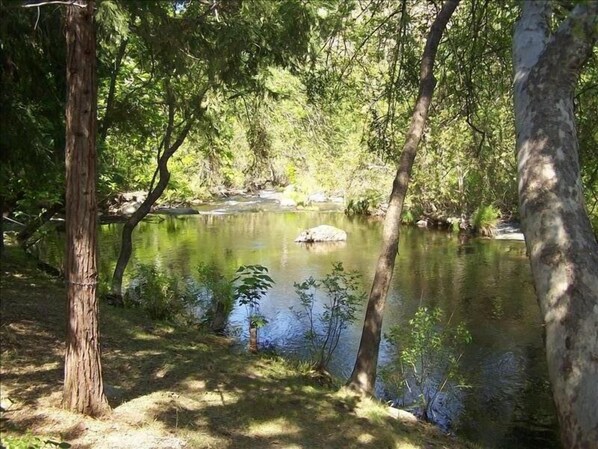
[(281, 93)]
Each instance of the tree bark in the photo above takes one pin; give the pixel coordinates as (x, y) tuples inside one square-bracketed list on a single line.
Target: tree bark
[(83, 385), (560, 242), (363, 377), (163, 175), (253, 345)]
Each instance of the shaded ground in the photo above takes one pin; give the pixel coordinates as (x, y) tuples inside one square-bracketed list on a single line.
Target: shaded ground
[(172, 387)]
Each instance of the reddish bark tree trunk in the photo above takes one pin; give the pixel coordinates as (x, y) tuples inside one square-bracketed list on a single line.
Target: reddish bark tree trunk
[(83, 385), (363, 377)]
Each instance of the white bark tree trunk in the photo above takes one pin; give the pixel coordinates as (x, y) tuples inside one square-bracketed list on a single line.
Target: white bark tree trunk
[(561, 245)]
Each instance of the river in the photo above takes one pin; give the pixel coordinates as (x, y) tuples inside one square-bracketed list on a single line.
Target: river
[(485, 283)]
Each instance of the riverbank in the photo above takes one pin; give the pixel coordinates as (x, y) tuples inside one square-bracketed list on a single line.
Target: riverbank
[(172, 387)]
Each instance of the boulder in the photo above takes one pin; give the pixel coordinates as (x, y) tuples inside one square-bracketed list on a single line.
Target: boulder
[(176, 211), (317, 198), (402, 415), (322, 233)]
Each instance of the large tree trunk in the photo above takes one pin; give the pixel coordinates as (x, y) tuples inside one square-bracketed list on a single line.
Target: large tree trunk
[(155, 191), (562, 248), (363, 377), (83, 386)]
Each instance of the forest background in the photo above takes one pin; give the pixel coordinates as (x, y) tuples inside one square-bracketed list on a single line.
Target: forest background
[(316, 96)]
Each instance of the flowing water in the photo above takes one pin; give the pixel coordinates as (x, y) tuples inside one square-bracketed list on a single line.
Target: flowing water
[(487, 284)]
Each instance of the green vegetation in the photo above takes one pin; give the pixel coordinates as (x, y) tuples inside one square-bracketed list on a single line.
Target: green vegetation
[(321, 107), (216, 295), (162, 296), (427, 362), (342, 300), (484, 220), (171, 386), (253, 283)]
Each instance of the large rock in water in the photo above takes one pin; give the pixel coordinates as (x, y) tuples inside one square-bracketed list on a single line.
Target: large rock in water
[(322, 233)]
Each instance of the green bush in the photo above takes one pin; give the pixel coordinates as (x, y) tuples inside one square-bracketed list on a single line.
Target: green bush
[(342, 300), (253, 282), (364, 204), (427, 360), (216, 296), (484, 219), (162, 296)]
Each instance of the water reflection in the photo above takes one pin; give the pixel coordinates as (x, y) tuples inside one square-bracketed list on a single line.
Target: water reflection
[(484, 283)]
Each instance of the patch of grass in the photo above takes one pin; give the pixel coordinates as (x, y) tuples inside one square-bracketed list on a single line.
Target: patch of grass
[(175, 387), (484, 219)]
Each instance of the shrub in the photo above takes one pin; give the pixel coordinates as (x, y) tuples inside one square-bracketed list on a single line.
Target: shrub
[(162, 296), (364, 204), (428, 355), (484, 219), (343, 299), (216, 296), (253, 283)]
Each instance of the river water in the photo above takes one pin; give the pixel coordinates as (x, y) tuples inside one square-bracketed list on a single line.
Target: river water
[(485, 283)]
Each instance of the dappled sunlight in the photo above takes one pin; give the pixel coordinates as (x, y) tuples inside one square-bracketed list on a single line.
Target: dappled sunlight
[(278, 426), (187, 389)]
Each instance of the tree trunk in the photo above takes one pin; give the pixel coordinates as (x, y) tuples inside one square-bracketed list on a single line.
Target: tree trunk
[(83, 386), (252, 337), (154, 193), (38, 222), (560, 242), (363, 377)]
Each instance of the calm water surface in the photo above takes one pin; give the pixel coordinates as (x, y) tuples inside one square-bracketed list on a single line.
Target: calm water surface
[(485, 283)]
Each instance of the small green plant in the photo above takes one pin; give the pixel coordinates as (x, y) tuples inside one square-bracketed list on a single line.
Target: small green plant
[(428, 358), (31, 442), (162, 296), (253, 282), (342, 301), (216, 295), (484, 219), (364, 204)]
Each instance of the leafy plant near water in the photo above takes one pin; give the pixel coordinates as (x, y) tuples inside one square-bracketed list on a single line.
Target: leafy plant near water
[(342, 300), (162, 296), (216, 295), (428, 355), (484, 219), (253, 282), (364, 204)]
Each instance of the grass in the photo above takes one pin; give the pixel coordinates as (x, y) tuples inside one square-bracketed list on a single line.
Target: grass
[(174, 387)]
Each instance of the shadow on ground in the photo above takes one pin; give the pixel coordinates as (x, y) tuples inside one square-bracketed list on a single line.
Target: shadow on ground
[(172, 387)]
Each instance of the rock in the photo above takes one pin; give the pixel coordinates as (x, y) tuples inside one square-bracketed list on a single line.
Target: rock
[(322, 233), (317, 198), (402, 415), (422, 223), (509, 231), (176, 211), (287, 202), (129, 208)]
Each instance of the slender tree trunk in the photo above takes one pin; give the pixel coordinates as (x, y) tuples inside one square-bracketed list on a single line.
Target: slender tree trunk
[(560, 242), (83, 386), (38, 222), (253, 347), (155, 192), (363, 377), (107, 119)]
